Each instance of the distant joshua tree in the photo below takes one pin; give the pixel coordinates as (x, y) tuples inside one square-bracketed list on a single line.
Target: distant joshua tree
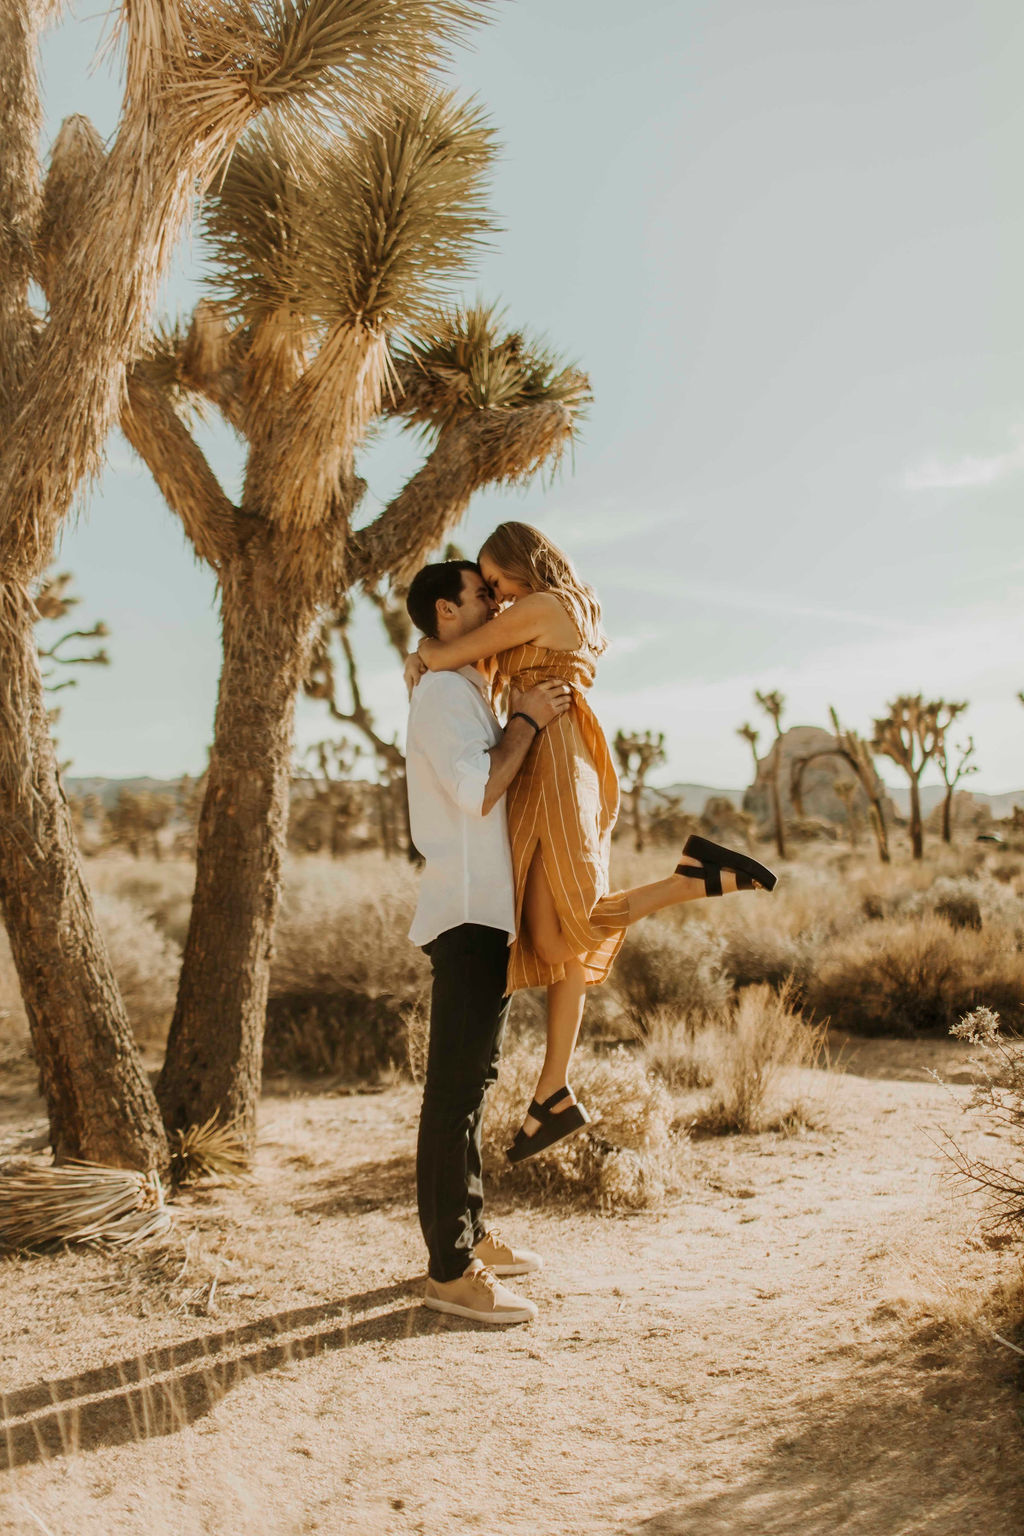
[(953, 769), (911, 735), (750, 736), (855, 751), (773, 704), (638, 754)]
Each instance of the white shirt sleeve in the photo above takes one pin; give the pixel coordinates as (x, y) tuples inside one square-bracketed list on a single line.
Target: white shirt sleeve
[(452, 734)]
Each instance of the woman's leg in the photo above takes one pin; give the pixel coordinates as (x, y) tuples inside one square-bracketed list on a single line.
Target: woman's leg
[(565, 997), (672, 892)]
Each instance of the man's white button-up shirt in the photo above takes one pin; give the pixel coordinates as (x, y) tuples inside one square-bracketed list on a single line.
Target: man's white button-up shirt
[(468, 873)]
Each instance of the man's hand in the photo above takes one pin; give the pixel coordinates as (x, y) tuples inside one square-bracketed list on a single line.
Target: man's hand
[(544, 702), (412, 672)]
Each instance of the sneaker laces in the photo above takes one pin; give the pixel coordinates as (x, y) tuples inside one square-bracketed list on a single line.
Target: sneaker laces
[(485, 1277)]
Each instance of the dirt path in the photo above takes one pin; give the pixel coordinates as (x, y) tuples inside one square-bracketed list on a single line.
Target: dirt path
[(794, 1347)]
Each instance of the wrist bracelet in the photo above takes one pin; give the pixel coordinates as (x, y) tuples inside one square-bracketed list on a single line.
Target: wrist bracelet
[(522, 715)]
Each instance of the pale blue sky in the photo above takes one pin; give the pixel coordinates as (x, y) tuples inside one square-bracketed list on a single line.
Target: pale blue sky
[(786, 240)]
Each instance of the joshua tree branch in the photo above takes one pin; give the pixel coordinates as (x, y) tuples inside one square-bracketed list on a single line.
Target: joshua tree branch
[(179, 467), (494, 446), (20, 124)]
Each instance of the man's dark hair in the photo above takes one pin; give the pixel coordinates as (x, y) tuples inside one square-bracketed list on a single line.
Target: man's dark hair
[(443, 580)]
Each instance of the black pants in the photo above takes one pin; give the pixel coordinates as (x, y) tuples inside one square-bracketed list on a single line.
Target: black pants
[(468, 1009)]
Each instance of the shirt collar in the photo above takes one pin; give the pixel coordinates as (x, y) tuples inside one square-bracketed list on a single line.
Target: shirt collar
[(475, 677)]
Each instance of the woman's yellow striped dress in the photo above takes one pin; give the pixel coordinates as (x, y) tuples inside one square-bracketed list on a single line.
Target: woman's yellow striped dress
[(564, 800)]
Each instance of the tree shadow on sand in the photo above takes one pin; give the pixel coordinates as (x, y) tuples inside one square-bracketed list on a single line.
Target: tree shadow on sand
[(370, 1186), (924, 1436), (162, 1391)]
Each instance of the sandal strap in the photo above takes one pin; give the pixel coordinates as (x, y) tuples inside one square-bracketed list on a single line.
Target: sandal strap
[(549, 1104), (709, 873)]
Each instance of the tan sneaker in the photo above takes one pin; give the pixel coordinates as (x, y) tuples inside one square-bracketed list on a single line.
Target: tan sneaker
[(477, 1295), (500, 1256)]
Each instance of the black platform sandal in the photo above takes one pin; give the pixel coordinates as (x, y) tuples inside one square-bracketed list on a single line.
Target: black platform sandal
[(714, 858), (552, 1128)]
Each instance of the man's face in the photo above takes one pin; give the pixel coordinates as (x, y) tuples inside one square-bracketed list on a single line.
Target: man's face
[(475, 607)]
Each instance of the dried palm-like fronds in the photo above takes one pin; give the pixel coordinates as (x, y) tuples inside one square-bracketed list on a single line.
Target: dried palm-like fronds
[(395, 212), (80, 1203), (464, 360), (398, 211), (76, 159), (209, 1150), (242, 55), (251, 221)]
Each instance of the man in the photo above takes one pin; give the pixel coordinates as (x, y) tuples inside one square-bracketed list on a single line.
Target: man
[(459, 764)]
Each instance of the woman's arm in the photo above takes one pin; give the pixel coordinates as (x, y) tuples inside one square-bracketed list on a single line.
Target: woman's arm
[(524, 622)]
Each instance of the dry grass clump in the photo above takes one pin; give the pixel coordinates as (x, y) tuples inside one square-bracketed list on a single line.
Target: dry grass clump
[(747, 1060), (344, 926), (13, 1023), (622, 1163), (345, 977), (916, 974), (667, 966), (208, 1151), (160, 888)]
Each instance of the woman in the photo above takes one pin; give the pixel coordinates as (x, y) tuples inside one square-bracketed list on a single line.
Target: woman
[(561, 809)]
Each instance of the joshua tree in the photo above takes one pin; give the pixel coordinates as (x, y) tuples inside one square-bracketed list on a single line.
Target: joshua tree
[(911, 734), (329, 251), (953, 770), (637, 755), (846, 790), (773, 704), (750, 736), (857, 753), (97, 238)]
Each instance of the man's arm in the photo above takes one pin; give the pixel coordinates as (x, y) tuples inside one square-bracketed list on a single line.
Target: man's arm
[(543, 704)]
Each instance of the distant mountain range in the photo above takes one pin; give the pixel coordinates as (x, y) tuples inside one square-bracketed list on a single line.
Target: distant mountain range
[(694, 797)]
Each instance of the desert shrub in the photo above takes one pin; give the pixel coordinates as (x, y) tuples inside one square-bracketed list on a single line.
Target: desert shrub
[(915, 975), (746, 1058), (338, 1033), (160, 888), (145, 963), (621, 1163), (999, 1096), (345, 978), (670, 967), (13, 1023), (679, 1051), (344, 928)]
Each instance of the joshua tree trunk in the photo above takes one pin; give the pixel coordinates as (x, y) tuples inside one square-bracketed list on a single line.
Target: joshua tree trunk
[(916, 832), (214, 1050), (99, 1101), (947, 815), (780, 825)]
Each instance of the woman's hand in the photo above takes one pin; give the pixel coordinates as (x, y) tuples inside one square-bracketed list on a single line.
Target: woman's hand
[(412, 672)]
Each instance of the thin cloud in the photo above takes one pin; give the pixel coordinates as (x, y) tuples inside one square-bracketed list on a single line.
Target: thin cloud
[(962, 474)]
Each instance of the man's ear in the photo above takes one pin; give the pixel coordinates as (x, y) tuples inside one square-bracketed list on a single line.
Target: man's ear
[(444, 609)]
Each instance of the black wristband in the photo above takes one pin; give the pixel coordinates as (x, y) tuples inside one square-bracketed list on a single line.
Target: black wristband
[(522, 715)]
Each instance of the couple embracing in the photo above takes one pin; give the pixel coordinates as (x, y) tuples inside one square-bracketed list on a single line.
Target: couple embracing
[(514, 824)]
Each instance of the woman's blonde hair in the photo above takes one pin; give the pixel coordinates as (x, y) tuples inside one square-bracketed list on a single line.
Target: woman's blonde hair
[(527, 555)]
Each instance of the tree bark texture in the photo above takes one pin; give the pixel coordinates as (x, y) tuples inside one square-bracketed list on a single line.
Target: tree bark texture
[(214, 1050), (99, 1101)]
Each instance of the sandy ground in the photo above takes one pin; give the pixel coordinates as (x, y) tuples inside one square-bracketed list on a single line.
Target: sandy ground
[(798, 1344)]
